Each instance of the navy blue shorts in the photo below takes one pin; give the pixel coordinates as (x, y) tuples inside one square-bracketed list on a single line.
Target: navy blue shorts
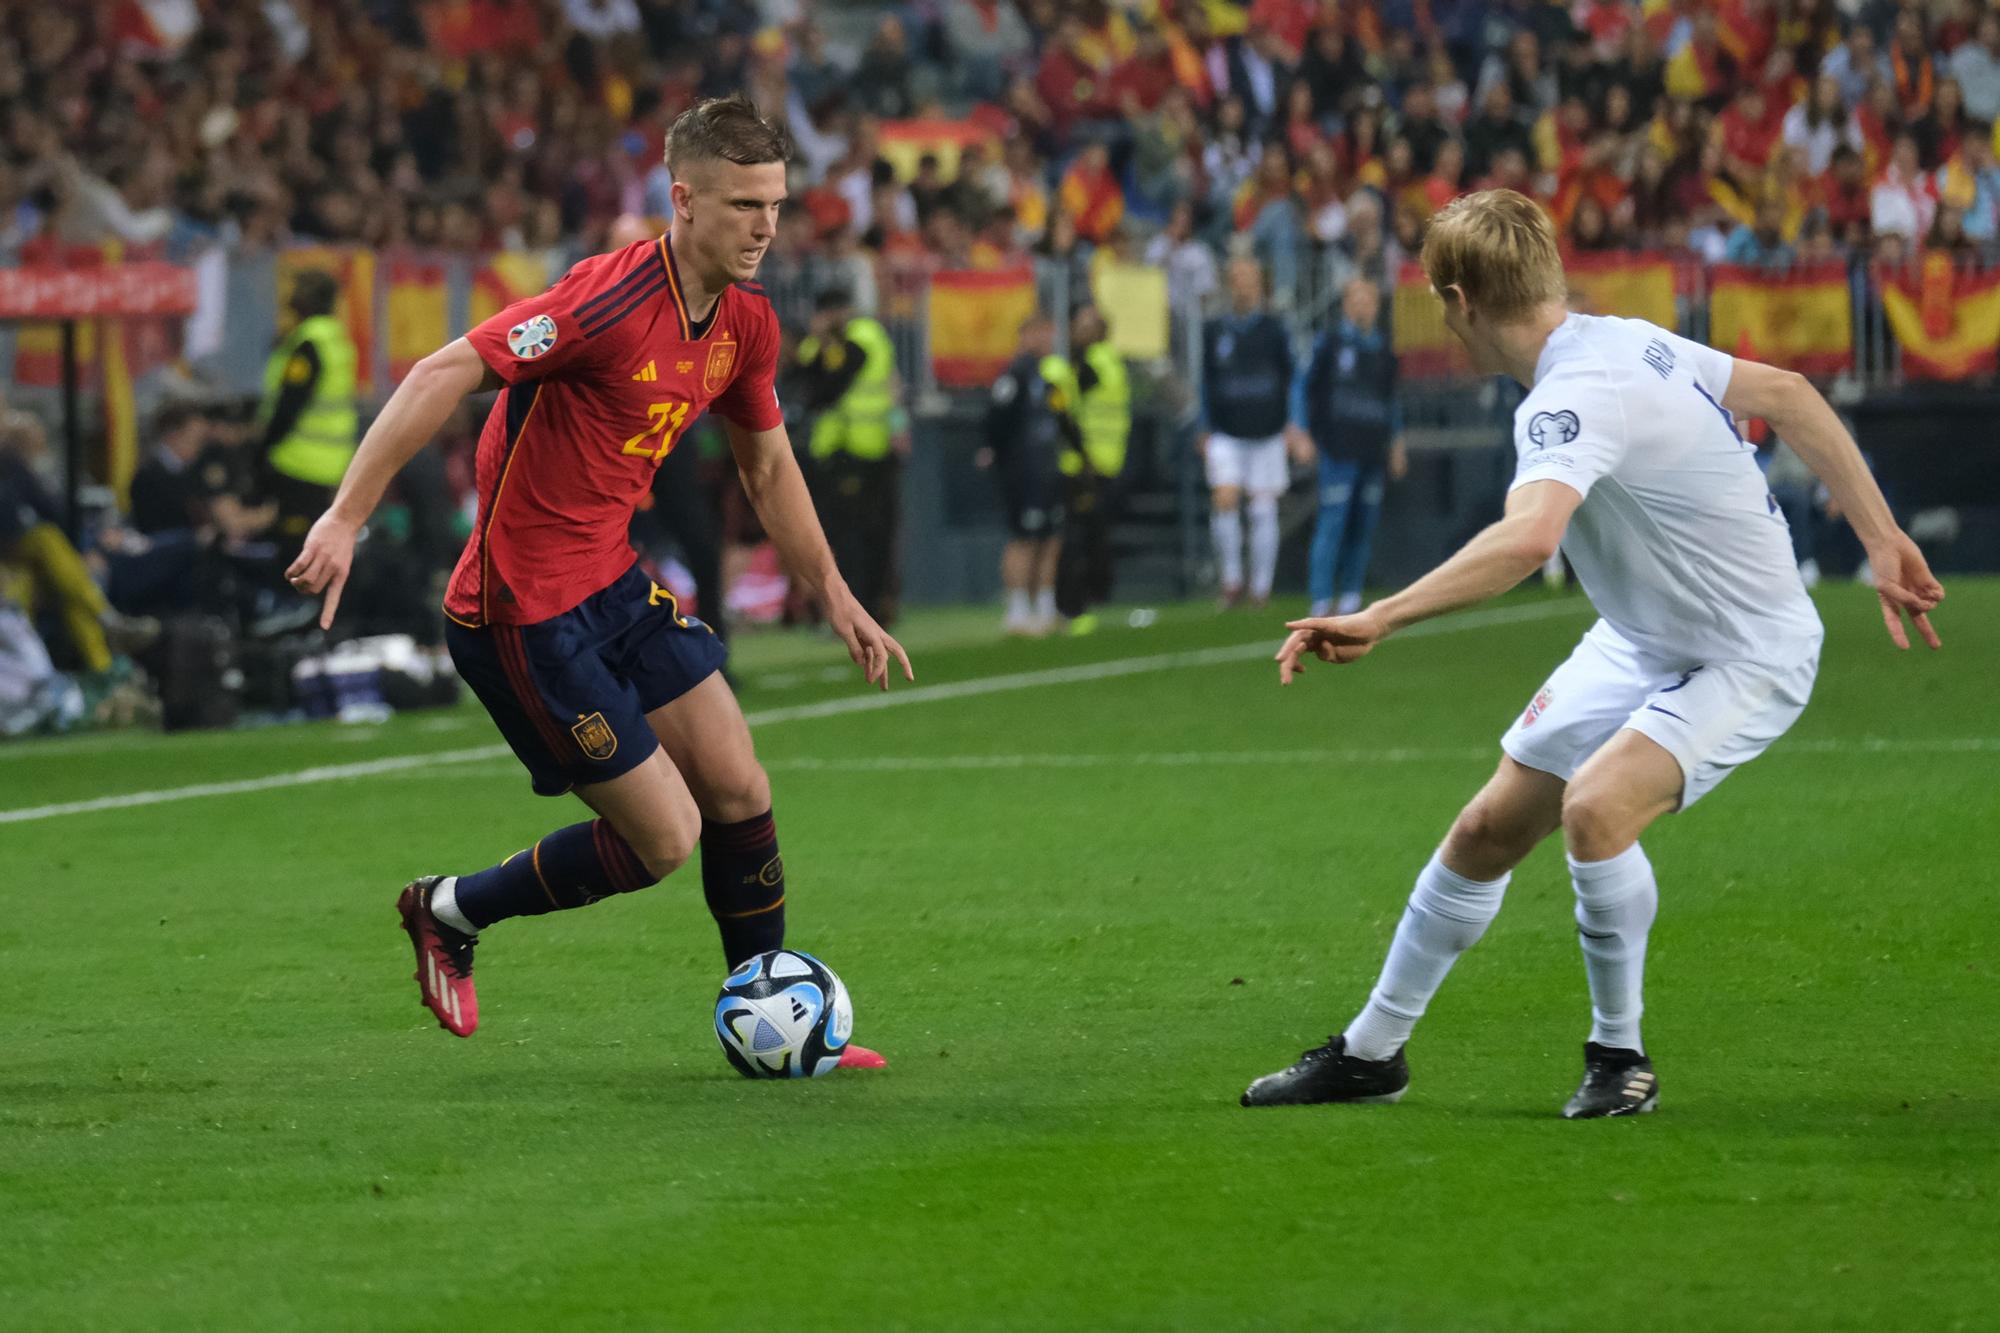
[(571, 693)]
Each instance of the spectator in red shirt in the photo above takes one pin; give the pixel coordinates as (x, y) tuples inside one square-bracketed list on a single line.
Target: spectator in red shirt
[(1071, 87), (1749, 30), (1142, 79), (1589, 229), (1302, 129), (1447, 179), (1748, 131), (1843, 196), (1879, 121), (1092, 196), (1910, 64)]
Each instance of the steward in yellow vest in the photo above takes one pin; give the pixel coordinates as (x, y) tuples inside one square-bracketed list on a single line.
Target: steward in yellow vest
[(846, 378), (309, 417), (1100, 398)]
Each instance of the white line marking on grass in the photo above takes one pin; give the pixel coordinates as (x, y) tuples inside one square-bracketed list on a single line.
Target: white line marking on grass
[(1135, 666), (304, 777), (1021, 680), (967, 763)]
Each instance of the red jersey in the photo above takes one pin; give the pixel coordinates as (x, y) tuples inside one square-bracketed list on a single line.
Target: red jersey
[(605, 372)]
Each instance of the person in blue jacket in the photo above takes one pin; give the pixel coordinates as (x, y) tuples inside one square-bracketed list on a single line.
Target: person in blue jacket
[(1346, 399)]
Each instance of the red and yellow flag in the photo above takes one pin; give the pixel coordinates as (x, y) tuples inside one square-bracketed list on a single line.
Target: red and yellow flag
[(415, 311), (903, 142), (1628, 288), (1425, 349), (1946, 319), (1802, 319), (976, 320), (507, 277)]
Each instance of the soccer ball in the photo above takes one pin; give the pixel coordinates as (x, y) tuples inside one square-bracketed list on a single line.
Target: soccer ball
[(783, 1014)]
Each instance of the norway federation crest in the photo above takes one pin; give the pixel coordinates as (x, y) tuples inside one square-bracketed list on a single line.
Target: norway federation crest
[(595, 737), (1536, 708), (1547, 428), (721, 361), (532, 338)]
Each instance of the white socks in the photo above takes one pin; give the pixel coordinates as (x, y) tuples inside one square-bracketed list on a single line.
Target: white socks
[(1045, 606), (1263, 544), (1615, 904), (1446, 916), (444, 906), (1226, 526), (1018, 611)]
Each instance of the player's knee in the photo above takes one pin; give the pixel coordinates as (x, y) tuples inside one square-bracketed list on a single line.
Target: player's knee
[(663, 854), (1596, 825), (1263, 506), (1485, 842), (1225, 498), (740, 795), (665, 845)]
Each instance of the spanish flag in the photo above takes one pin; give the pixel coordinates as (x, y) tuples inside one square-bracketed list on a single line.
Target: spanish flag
[(415, 313), (903, 142), (507, 277), (976, 320), (1947, 320), (1425, 348), (1801, 319), (1630, 289)]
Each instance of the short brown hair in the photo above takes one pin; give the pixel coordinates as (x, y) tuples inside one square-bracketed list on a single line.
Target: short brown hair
[(1499, 248), (724, 129)]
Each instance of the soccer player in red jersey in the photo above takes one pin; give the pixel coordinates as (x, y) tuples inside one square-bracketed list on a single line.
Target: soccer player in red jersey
[(597, 681)]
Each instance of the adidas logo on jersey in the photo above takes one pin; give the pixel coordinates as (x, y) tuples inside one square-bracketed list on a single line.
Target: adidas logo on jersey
[(650, 373)]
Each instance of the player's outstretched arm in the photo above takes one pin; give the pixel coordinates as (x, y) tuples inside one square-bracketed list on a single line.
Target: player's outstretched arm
[(777, 491), (1804, 420), (1488, 565), (414, 412)]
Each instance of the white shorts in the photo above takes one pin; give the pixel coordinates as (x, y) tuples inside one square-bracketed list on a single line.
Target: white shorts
[(1709, 718), (1257, 467)]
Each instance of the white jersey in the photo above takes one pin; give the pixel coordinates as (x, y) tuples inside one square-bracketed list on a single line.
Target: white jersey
[(1678, 542)]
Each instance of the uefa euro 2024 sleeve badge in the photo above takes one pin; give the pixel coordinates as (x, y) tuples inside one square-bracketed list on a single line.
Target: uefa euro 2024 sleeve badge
[(532, 337)]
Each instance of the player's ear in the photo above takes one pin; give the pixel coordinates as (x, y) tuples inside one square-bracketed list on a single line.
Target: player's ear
[(1453, 296), (682, 195)]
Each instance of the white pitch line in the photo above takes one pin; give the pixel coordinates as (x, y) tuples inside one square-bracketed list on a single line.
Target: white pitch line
[(1021, 680), (1134, 666), (963, 763), (304, 777)]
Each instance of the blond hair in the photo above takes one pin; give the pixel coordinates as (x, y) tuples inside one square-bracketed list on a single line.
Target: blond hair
[(1499, 248)]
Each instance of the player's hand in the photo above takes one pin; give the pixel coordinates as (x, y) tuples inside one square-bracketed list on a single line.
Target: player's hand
[(1336, 639), (323, 563), (1906, 587), (1399, 460), (867, 642), (983, 459)]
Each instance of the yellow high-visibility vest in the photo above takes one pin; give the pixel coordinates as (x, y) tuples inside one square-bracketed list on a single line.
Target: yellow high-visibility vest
[(860, 423), (1103, 414), (321, 443)]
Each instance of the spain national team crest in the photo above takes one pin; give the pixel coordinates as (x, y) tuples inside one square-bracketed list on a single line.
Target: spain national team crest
[(721, 361), (595, 737), (1536, 708)]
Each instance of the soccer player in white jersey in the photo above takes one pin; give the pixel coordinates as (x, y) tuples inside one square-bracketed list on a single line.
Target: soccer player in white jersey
[(1703, 655)]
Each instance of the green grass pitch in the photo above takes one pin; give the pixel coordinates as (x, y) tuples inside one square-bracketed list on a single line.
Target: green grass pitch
[(1077, 915)]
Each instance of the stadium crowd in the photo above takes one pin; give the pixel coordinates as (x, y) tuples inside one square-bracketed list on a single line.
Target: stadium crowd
[(1315, 136), (1751, 130)]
